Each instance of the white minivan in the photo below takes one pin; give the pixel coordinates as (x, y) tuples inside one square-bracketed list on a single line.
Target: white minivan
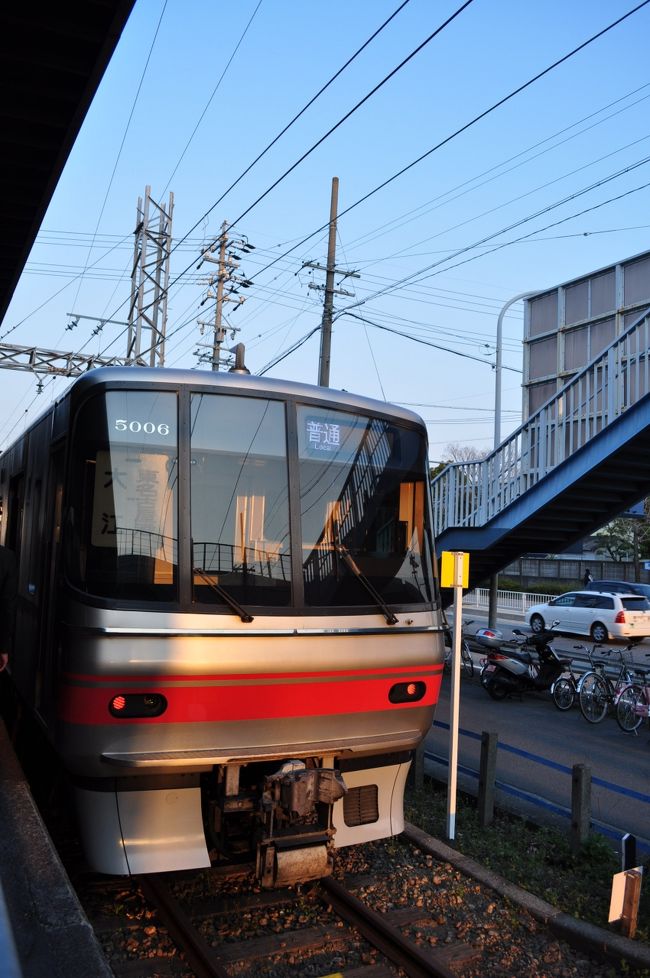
[(596, 613)]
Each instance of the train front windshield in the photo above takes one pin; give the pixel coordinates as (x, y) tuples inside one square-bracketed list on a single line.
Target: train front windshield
[(290, 506)]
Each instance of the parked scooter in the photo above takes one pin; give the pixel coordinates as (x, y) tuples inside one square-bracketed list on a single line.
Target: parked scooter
[(529, 664)]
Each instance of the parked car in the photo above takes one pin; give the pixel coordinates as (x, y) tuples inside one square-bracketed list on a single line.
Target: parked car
[(619, 587), (600, 615)]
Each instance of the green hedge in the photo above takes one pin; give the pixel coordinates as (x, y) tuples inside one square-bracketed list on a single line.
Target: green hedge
[(551, 586)]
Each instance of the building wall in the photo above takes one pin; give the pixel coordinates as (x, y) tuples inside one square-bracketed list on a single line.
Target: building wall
[(568, 326), (533, 570)]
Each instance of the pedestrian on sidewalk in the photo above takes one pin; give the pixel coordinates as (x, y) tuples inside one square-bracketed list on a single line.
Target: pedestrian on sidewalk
[(588, 578)]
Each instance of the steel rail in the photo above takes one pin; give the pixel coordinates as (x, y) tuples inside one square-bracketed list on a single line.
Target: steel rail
[(201, 958), (416, 962)]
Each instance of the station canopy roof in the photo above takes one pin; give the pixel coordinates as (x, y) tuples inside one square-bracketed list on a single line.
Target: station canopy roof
[(52, 58)]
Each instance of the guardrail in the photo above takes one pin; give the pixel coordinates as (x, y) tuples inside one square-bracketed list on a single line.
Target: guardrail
[(564, 811), (469, 494), (515, 601)]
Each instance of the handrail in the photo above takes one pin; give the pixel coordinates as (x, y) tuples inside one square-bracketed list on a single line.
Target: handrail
[(469, 494)]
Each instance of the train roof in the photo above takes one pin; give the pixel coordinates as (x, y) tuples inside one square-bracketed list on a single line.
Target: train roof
[(236, 381)]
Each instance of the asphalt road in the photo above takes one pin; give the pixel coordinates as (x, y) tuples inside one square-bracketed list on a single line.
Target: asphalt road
[(538, 746)]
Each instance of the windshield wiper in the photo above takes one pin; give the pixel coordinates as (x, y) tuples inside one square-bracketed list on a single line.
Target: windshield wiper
[(348, 560), (223, 594)]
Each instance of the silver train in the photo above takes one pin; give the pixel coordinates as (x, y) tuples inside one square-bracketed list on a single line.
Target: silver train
[(228, 619)]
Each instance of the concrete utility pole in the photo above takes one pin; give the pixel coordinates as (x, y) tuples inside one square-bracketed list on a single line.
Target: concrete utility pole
[(150, 281), (227, 266), (328, 303)]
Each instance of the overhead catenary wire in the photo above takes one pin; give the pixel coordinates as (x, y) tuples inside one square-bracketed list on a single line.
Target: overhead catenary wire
[(424, 342), (427, 273), (348, 310), (212, 95), (322, 139), (407, 251), (298, 115), (124, 135), (464, 128), (472, 184), (350, 60), (433, 149), (54, 237), (420, 275)]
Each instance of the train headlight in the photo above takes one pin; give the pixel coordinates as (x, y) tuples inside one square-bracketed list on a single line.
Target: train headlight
[(407, 692), (137, 705)]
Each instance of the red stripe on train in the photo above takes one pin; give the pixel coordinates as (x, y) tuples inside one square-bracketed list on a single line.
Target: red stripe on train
[(211, 704)]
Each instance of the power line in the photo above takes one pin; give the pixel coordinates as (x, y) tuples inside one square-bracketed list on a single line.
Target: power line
[(465, 127), (528, 193), (563, 220), (119, 152), (209, 102), (358, 105), (418, 339), (296, 117), (290, 124), (413, 276), (329, 132), (446, 198)]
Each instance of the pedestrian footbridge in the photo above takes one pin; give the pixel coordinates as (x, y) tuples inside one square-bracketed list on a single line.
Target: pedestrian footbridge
[(580, 460)]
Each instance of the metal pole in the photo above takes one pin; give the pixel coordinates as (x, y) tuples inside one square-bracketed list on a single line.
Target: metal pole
[(455, 696), (498, 370), (498, 366), (328, 306)]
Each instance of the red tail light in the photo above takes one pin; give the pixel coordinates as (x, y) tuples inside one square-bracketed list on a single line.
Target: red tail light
[(620, 618), (137, 705)]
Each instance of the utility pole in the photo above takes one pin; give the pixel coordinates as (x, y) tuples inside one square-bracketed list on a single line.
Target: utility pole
[(328, 303), (227, 266)]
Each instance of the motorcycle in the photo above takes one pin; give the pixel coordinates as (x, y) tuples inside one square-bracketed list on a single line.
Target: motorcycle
[(529, 664)]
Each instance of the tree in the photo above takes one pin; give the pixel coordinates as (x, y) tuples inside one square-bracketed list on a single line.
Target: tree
[(626, 537), (454, 452)]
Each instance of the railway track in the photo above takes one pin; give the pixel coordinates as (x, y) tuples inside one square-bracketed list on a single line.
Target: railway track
[(392, 909), (326, 927), (381, 932)]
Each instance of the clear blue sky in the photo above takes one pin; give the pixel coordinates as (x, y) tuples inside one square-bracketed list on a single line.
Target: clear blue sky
[(587, 119)]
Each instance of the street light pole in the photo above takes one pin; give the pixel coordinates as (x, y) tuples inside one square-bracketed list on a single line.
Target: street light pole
[(498, 371), (498, 365)]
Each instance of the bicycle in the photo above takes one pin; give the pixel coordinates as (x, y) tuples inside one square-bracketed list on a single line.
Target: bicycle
[(633, 703), (598, 691), (466, 660), (566, 689)]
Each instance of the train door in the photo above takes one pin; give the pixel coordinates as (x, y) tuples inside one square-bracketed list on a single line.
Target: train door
[(48, 638), (15, 508), (32, 577)]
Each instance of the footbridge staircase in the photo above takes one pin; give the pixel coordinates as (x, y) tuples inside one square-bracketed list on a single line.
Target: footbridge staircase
[(580, 460)]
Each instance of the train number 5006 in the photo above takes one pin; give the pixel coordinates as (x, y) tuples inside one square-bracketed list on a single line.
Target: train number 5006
[(148, 427)]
